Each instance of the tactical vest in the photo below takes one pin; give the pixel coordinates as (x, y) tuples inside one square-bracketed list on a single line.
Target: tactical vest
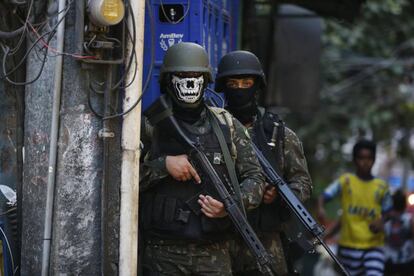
[(268, 217), (170, 209)]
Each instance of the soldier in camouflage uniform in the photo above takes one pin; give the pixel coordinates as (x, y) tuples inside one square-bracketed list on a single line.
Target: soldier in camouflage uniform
[(184, 223), (241, 78)]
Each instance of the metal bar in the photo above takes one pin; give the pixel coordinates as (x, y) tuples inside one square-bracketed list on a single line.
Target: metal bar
[(57, 90)]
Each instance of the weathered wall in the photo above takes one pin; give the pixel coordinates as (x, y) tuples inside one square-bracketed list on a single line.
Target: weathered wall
[(76, 219)]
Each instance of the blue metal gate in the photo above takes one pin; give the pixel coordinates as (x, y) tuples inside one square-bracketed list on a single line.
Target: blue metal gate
[(210, 23)]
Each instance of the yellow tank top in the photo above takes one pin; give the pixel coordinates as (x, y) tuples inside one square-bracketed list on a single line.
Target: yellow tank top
[(361, 204)]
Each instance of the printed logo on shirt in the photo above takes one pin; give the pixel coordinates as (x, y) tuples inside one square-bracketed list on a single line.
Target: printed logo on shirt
[(361, 211)]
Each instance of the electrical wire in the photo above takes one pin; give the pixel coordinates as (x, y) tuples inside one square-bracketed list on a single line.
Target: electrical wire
[(90, 86), (18, 46), (22, 59), (40, 39), (130, 59), (6, 50), (132, 56), (364, 74), (6, 74), (96, 113), (46, 45), (11, 34), (9, 248), (179, 20), (148, 79), (21, 39), (37, 48)]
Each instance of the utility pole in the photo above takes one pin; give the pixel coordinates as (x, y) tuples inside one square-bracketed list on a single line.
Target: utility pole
[(128, 250), (75, 245)]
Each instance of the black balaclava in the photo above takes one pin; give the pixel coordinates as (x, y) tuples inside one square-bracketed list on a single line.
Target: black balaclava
[(241, 102), (187, 94)]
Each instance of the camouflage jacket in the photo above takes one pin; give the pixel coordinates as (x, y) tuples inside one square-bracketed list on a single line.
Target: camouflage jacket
[(294, 167), (247, 166)]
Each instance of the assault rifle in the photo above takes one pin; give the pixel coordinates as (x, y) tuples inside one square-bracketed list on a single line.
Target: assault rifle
[(295, 205), (162, 111)]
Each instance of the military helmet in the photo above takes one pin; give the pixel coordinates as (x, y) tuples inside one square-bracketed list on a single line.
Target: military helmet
[(238, 63), (186, 57)]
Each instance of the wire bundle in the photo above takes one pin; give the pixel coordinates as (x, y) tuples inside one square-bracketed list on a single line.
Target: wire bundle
[(39, 43), (132, 57)]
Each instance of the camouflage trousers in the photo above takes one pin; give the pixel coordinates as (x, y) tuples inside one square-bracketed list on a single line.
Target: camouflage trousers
[(244, 263), (165, 258)]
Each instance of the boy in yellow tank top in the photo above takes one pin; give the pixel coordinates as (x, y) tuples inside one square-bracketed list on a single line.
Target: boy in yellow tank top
[(364, 200)]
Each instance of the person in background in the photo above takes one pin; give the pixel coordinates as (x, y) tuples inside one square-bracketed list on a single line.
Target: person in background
[(364, 200), (399, 238), (241, 78)]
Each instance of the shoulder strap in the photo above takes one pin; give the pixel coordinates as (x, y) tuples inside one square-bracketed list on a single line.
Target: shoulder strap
[(154, 120), (280, 142), (227, 158), (275, 157)]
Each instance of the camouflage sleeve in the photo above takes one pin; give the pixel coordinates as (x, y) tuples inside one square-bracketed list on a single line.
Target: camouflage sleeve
[(247, 167), (295, 167), (146, 134), (151, 170)]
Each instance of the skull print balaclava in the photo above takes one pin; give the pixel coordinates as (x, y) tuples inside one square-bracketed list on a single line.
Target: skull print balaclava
[(188, 90), (187, 94)]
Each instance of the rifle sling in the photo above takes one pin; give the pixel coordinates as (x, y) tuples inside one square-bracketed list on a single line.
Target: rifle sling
[(227, 158)]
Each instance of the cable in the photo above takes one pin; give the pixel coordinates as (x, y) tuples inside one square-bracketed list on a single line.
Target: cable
[(51, 34), (132, 56), (26, 82), (347, 83), (179, 20), (130, 59), (96, 113), (7, 35), (147, 81), (22, 59), (56, 51), (40, 38), (9, 248), (21, 39), (37, 48)]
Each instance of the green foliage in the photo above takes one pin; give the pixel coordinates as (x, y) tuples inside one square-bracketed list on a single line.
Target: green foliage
[(367, 85)]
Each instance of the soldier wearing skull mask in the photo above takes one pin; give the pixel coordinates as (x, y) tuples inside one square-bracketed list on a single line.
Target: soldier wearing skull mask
[(184, 222)]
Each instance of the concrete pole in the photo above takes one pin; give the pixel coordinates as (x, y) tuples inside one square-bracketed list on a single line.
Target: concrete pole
[(75, 245), (128, 248)]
